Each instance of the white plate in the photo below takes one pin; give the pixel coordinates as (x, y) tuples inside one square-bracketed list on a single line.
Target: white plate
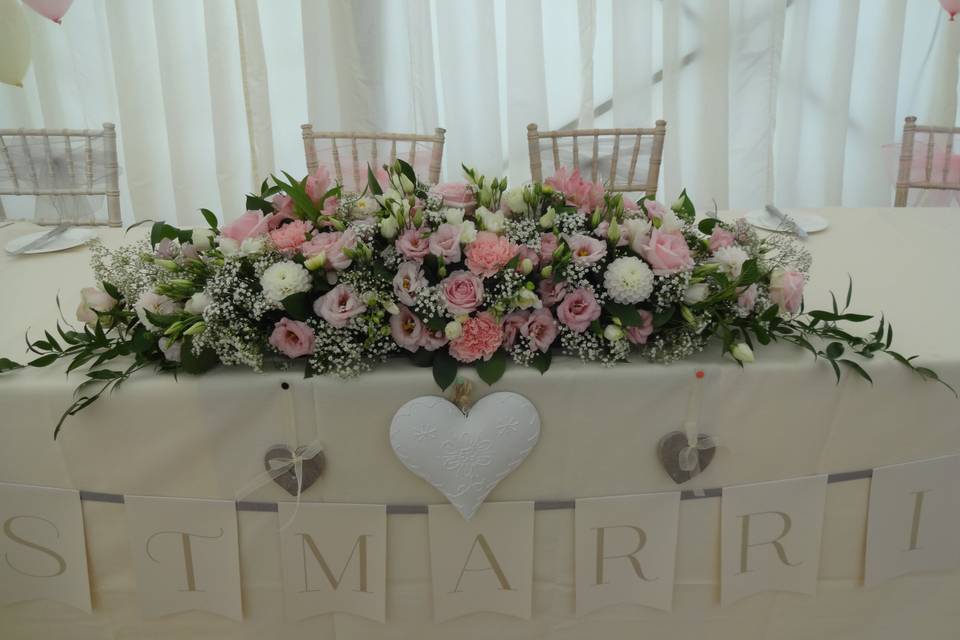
[(809, 222), (69, 239)]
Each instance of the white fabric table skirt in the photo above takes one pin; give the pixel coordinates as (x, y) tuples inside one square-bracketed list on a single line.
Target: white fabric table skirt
[(781, 417)]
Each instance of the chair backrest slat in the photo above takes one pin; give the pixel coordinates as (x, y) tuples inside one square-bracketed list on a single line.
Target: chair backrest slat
[(908, 157), (946, 164), (594, 164), (9, 161), (613, 159)]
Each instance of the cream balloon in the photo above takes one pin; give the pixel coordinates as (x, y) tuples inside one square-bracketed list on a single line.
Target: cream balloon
[(14, 43)]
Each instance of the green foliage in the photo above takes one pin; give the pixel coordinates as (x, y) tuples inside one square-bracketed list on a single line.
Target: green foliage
[(492, 370), (444, 369)]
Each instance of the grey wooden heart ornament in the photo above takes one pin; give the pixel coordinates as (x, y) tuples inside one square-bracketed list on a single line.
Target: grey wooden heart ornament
[(669, 448), (312, 469)]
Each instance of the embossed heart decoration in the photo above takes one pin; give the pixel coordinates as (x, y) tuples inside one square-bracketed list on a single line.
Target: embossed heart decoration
[(465, 456)]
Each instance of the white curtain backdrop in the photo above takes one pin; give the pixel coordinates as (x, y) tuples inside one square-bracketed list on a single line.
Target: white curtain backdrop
[(783, 100)]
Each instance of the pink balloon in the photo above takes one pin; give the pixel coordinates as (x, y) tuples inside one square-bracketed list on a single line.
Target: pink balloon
[(53, 9), (951, 6)]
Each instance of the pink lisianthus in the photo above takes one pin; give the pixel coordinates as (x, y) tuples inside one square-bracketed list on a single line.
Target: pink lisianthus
[(526, 253), (578, 309), (604, 227), (548, 244), (667, 252), (655, 210), (432, 340), (462, 292), (92, 301), (283, 210), (166, 248), (406, 329), (541, 329), (489, 253), (445, 242), (584, 194), (249, 225), (455, 194), (638, 334), (291, 235), (319, 183), (407, 282), (629, 204), (747, 297), (551, 292), (586, 250), (786, 290), (292, 338), (333, 245), (339, 305), (481, 337), (719, 239), (512, 324), (414, 244)]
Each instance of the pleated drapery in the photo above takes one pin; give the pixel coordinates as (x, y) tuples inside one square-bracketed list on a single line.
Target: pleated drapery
[(782, 100)]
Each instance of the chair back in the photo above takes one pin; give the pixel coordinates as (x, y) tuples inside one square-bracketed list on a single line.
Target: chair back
[(927, 160)]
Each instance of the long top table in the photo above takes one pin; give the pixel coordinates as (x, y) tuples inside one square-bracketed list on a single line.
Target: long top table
[(783, 416)]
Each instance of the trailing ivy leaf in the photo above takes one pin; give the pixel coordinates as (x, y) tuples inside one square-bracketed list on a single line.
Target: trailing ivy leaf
[(492, 370), (161, 230), (44, 361), (541, 362), (196, 362), (707, 225), (6, 364), (627, 313), (297, 305), (372, 182), (211, 217), (444, 369)]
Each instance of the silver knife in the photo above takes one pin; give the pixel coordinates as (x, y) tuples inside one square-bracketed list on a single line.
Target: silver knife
[(42, 240), (796, 228)]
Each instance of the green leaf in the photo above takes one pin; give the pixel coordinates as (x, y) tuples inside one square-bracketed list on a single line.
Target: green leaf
[(44, 361), (541, 361), (297, 306), (860, 370), (111, 290), (407, 171), (158, 319), (492, 370), (372, 182), (422, 358), (142, 340), (105, 374), (627, 314), (707, 225), (6, 364), (834, 350), (750, 273), (436, 323), (211, 217), (770, 313), (196, 363), (663, 317), (256, 203), (849, 292), (687, 212), (161, 230), (444, 369)]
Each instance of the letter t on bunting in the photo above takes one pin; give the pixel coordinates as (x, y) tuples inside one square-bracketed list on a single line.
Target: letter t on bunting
[(484, 564), (334, 560), (770, 537), (186, 555), (626, 550)]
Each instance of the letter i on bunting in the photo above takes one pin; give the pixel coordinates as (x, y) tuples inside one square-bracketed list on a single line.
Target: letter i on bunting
[(334, 560), (185, 554), (484, 564), (42, 546), (626, 550), (770, 537)]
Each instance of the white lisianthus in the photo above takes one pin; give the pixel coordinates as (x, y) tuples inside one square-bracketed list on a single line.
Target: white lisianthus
[(628, 280), (202, 238), (696, 293), (527, 299), (731, 260), (468, 232), (388, 228), (453, 330), (92, 301), (491, 221), (228, 246), (515, 201), (315, 262), (548, 219), (453, 216), (613, 333), (670, 222), (636, 229), (742, 352), (391, 307), (526, 266), (197, 303), (254, 245), (157, 305), (284, 279)]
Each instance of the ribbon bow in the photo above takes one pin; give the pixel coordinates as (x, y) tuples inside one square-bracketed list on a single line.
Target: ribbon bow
[(689, 456)]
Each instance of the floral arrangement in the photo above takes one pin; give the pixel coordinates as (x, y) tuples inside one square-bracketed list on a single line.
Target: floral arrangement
[(459, 274)]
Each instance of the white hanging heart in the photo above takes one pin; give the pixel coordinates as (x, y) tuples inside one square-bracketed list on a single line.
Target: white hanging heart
[(465, 456)]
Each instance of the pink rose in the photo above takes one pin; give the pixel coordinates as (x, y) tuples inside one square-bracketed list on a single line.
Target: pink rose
[(414, 244), (338, 305), (481, 338), (639, 334), (578, 309), (511, 325), (292, 338), (445, 242), (747, 297), (719, 239), (283, 210), (786, 290), (318, 184), (586, 250), (408, 281), (249, 225), (432, 340), (541, 329), (582, 193), (548, 244), (667, 253), (455, 194), (489, 253), (406, 329), (291, 235), (551, 292), (462, 292)]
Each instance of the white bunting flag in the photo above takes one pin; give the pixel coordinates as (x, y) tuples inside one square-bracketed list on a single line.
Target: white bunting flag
[(484, 564), (185, 554), (770, 537), (42, 546), (914, 519), (626, 550), (334, 560)]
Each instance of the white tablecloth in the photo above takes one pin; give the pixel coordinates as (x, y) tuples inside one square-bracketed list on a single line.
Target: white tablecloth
[(781, 417)]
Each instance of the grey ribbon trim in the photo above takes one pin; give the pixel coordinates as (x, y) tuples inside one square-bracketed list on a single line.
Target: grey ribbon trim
[(538, 505)]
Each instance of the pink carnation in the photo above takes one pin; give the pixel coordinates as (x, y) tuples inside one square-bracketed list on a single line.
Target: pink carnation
[(481, 337), (541, 329), (489, 253), (582, 193), (414, 244), (406, 329), (249, 225), (719, 239), (578, 309), (292, 338), (667, 252), (512, 325), (291, 235), (639, 334)]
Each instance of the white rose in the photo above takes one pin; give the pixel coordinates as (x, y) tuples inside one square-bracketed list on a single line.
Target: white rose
[(197, 303), (494, 222), (253, 246), (453, 330), (228, 246), (468, 232), (696, 293), (613, 333), (202, 239), (388, 228), (515, 200), (742, 352), (284, 279), (453, 216)]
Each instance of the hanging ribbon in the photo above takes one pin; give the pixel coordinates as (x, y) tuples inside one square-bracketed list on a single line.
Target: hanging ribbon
[(689, 456)]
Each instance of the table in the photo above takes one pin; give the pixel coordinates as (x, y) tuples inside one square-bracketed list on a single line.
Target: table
[(780, 417)]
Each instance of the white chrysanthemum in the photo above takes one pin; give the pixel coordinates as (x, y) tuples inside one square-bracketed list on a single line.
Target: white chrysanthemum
[(628, 280), (284, 279), (731, 260)]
